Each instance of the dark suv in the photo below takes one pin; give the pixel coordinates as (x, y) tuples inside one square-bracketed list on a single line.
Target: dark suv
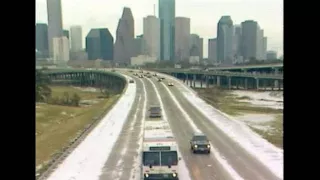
[(200, 143)]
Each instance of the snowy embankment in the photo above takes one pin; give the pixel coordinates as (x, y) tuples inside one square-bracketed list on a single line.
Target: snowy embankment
[(262, 99), (273, 99), (260, 148), (87, 160)]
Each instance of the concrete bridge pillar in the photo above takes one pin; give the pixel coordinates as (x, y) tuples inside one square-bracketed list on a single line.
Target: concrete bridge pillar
[(229, 82), (187, 79), (201, 78), (218, 81), (245, 83), (194, 80), (257, 83), (207, 81), (276, 84)]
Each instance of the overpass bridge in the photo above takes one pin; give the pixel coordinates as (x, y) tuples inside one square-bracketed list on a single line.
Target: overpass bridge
[(227, 79), (266, 68), (93, 78)]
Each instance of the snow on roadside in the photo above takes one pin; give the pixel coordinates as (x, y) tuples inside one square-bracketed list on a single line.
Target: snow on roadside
[(258, 121), (135, 173), (262, 99), (260, 148), (87, 160)]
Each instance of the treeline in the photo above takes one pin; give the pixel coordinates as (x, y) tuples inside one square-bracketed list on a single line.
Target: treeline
[(44, 93), (65, 100)]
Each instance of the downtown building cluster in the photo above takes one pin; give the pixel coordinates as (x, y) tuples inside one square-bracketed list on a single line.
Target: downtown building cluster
[(55, 43), (164, 38), (237, 43)]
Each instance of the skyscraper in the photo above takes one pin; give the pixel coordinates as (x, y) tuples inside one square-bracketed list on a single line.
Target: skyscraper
[(123, 48), (167, 29), (237, 40), (249, 39), (182, 39), (54, 22), (76, 38), (42, 39), (212, 50), (151, 36), (99, 44), (225, 40), (138, 46), (66, 33), (196, 46), (260, 34), (61, 49), (264, 47)]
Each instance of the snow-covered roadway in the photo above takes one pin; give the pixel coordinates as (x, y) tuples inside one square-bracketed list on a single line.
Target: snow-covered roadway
[(249, 154), (238, 152)]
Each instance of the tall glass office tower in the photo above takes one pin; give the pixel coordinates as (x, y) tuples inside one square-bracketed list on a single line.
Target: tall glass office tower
[(167, 30)]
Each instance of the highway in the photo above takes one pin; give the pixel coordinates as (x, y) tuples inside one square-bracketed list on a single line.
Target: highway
[(123, 163)]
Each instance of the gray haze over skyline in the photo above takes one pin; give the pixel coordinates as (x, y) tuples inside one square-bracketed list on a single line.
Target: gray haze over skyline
[(204, 15)]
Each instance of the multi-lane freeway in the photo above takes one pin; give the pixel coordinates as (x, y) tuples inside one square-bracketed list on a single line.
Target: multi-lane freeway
[(123, 163)]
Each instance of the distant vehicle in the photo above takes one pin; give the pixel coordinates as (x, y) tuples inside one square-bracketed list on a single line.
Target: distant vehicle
[(162, 78), (148, 72), (131, 81), (200, 143), (140, 76), (159, 80), (155, 112), (149, 76), (155, 75), (136, 74), (130, 70), (141, 71), (170, 84)]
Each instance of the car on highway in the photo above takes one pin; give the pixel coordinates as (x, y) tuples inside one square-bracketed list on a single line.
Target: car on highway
[(149, 76), (131, 81), (200, 143), (155, 112), (135, 74), (159, 80), (155, 74), (170, 84), (162, 78), (140, 76)]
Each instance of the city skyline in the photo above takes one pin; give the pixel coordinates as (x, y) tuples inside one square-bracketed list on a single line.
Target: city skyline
[(204, 15)]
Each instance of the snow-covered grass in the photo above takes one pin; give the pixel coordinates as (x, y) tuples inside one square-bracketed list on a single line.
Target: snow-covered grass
[(262, 99), (264, 151), (87, 160), (183, 170)]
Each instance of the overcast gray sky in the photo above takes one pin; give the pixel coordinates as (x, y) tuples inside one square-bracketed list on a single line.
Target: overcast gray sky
[(204, 15)]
